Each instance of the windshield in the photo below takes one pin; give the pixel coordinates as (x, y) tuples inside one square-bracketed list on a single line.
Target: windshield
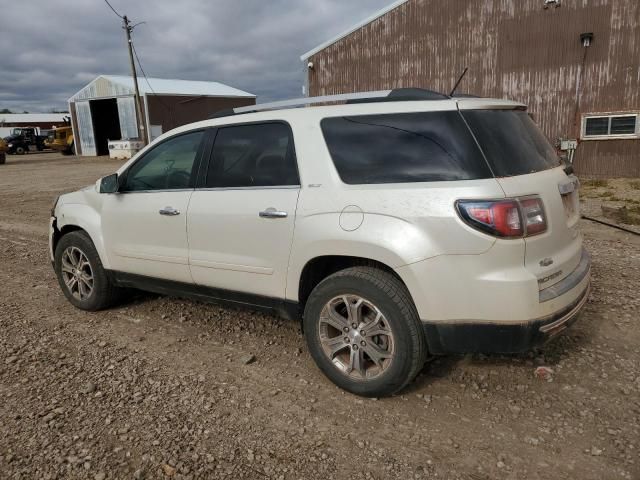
[(511, 141)]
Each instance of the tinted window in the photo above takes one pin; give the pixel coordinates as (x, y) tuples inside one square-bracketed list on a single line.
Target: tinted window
[(597, 126), (253, 156), (511, 142), (400, 148), (623, 125), (167, 166)]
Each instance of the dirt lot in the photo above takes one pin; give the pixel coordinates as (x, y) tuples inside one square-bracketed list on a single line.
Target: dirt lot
[(159, 388)]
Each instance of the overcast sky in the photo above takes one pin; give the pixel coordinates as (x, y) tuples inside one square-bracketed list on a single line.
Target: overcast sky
[(51, 49)]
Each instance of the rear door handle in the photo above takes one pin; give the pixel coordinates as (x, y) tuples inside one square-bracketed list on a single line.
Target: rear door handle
[(273, 213), (169, 211)]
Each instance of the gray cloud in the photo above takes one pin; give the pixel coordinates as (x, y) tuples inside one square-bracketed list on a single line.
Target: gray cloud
[(50, 50)]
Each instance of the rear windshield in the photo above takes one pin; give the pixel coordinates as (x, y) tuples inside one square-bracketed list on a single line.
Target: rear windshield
[(511, 142), (401, 148)]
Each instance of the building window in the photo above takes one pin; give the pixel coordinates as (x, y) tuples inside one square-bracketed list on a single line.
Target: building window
[(599, 127)]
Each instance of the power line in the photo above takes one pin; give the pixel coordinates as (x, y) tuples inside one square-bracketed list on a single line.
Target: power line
[(112, 9), (135, 53)]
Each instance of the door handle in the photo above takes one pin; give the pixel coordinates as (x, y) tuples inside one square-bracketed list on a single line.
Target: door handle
[(169, 211), (273, 213)]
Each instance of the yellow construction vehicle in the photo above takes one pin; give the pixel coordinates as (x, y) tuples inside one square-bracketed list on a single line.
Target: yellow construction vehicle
[(61, 139)]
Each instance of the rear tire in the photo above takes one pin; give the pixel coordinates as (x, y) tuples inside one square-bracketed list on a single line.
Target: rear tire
[(80, 273), (385, 350)]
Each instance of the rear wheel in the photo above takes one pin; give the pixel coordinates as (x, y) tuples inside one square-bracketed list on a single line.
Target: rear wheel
[(81, 275), (363, 331)]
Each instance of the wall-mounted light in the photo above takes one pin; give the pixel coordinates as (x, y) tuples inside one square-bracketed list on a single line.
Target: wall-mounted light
[(555, 3), (310, 65), (586, 39)]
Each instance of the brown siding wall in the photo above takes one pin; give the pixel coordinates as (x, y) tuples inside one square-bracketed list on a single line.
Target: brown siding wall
[(514, 49), (174, 111)]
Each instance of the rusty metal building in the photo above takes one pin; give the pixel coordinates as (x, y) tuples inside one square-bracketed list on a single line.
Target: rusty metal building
[(576, 63), (105, 109)]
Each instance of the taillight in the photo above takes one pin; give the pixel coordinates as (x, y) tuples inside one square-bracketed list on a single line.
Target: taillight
[(509, 218), (533, 214)]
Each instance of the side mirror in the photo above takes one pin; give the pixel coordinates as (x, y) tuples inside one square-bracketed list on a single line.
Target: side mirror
[(109, 184)]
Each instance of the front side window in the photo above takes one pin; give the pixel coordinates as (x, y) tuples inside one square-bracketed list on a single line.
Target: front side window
[(253, 156), (610, 126), (168, 166), (403, 147)]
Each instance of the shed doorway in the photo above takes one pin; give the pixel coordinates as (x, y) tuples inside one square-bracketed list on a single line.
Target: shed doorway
[(106, 123)]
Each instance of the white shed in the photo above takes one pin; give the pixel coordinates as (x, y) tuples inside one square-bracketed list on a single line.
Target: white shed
[(105, 109)]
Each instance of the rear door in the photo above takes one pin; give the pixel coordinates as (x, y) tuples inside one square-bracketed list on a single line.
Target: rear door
[(525, 163), (241, 218)]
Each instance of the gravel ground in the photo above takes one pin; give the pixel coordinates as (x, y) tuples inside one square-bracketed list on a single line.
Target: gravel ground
[(162, 388)]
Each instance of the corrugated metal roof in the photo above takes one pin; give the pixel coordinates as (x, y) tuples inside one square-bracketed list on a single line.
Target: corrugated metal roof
[(32, 117), (121, 84), (353, 28)]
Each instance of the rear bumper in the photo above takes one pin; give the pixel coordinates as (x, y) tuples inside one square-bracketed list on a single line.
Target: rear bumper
[(459, 337)]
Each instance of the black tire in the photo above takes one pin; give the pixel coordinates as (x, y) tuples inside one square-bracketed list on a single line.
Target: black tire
[(3, 158), (103, 294), (385, 292), (70, 150), (20, 150)]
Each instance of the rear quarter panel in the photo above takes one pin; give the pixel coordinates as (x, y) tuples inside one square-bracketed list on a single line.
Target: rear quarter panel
[(395, 224)]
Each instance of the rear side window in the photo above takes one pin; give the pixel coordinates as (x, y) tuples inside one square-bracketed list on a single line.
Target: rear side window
[(253, 156), (402, 148), (511, 141)]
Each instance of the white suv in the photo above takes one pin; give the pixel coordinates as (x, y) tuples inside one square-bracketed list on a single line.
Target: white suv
[(395, 226)]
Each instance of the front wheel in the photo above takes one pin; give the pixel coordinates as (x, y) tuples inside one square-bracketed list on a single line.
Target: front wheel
[(70, 150), (363, 331), (20, 150), (81, 275)]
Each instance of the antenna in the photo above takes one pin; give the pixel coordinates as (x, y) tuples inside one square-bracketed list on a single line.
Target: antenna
[(455, 87)]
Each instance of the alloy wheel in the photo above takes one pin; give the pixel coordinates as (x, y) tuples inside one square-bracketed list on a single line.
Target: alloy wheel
[(356, 337), (77, 273)]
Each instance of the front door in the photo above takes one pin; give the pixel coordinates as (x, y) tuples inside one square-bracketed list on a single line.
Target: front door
[(240, 224), (145, 223)]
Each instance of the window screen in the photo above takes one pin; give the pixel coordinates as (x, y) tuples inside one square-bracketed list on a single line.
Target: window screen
[(402, 148), (167, 166), (610, 125), (253, 156), (623, 125), (597, 126)]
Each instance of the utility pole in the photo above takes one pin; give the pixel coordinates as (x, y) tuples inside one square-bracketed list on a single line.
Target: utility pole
[(140, 120)]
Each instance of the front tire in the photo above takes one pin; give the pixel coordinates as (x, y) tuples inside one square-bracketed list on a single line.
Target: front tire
[(81, 275), (364, 333)]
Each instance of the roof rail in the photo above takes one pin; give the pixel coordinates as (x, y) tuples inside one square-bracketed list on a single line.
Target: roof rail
[(304, 101), (395, 95)]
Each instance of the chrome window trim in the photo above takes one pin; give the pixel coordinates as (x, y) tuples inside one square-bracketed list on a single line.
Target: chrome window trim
[(164, 190), (265, 187), (215, 189)]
